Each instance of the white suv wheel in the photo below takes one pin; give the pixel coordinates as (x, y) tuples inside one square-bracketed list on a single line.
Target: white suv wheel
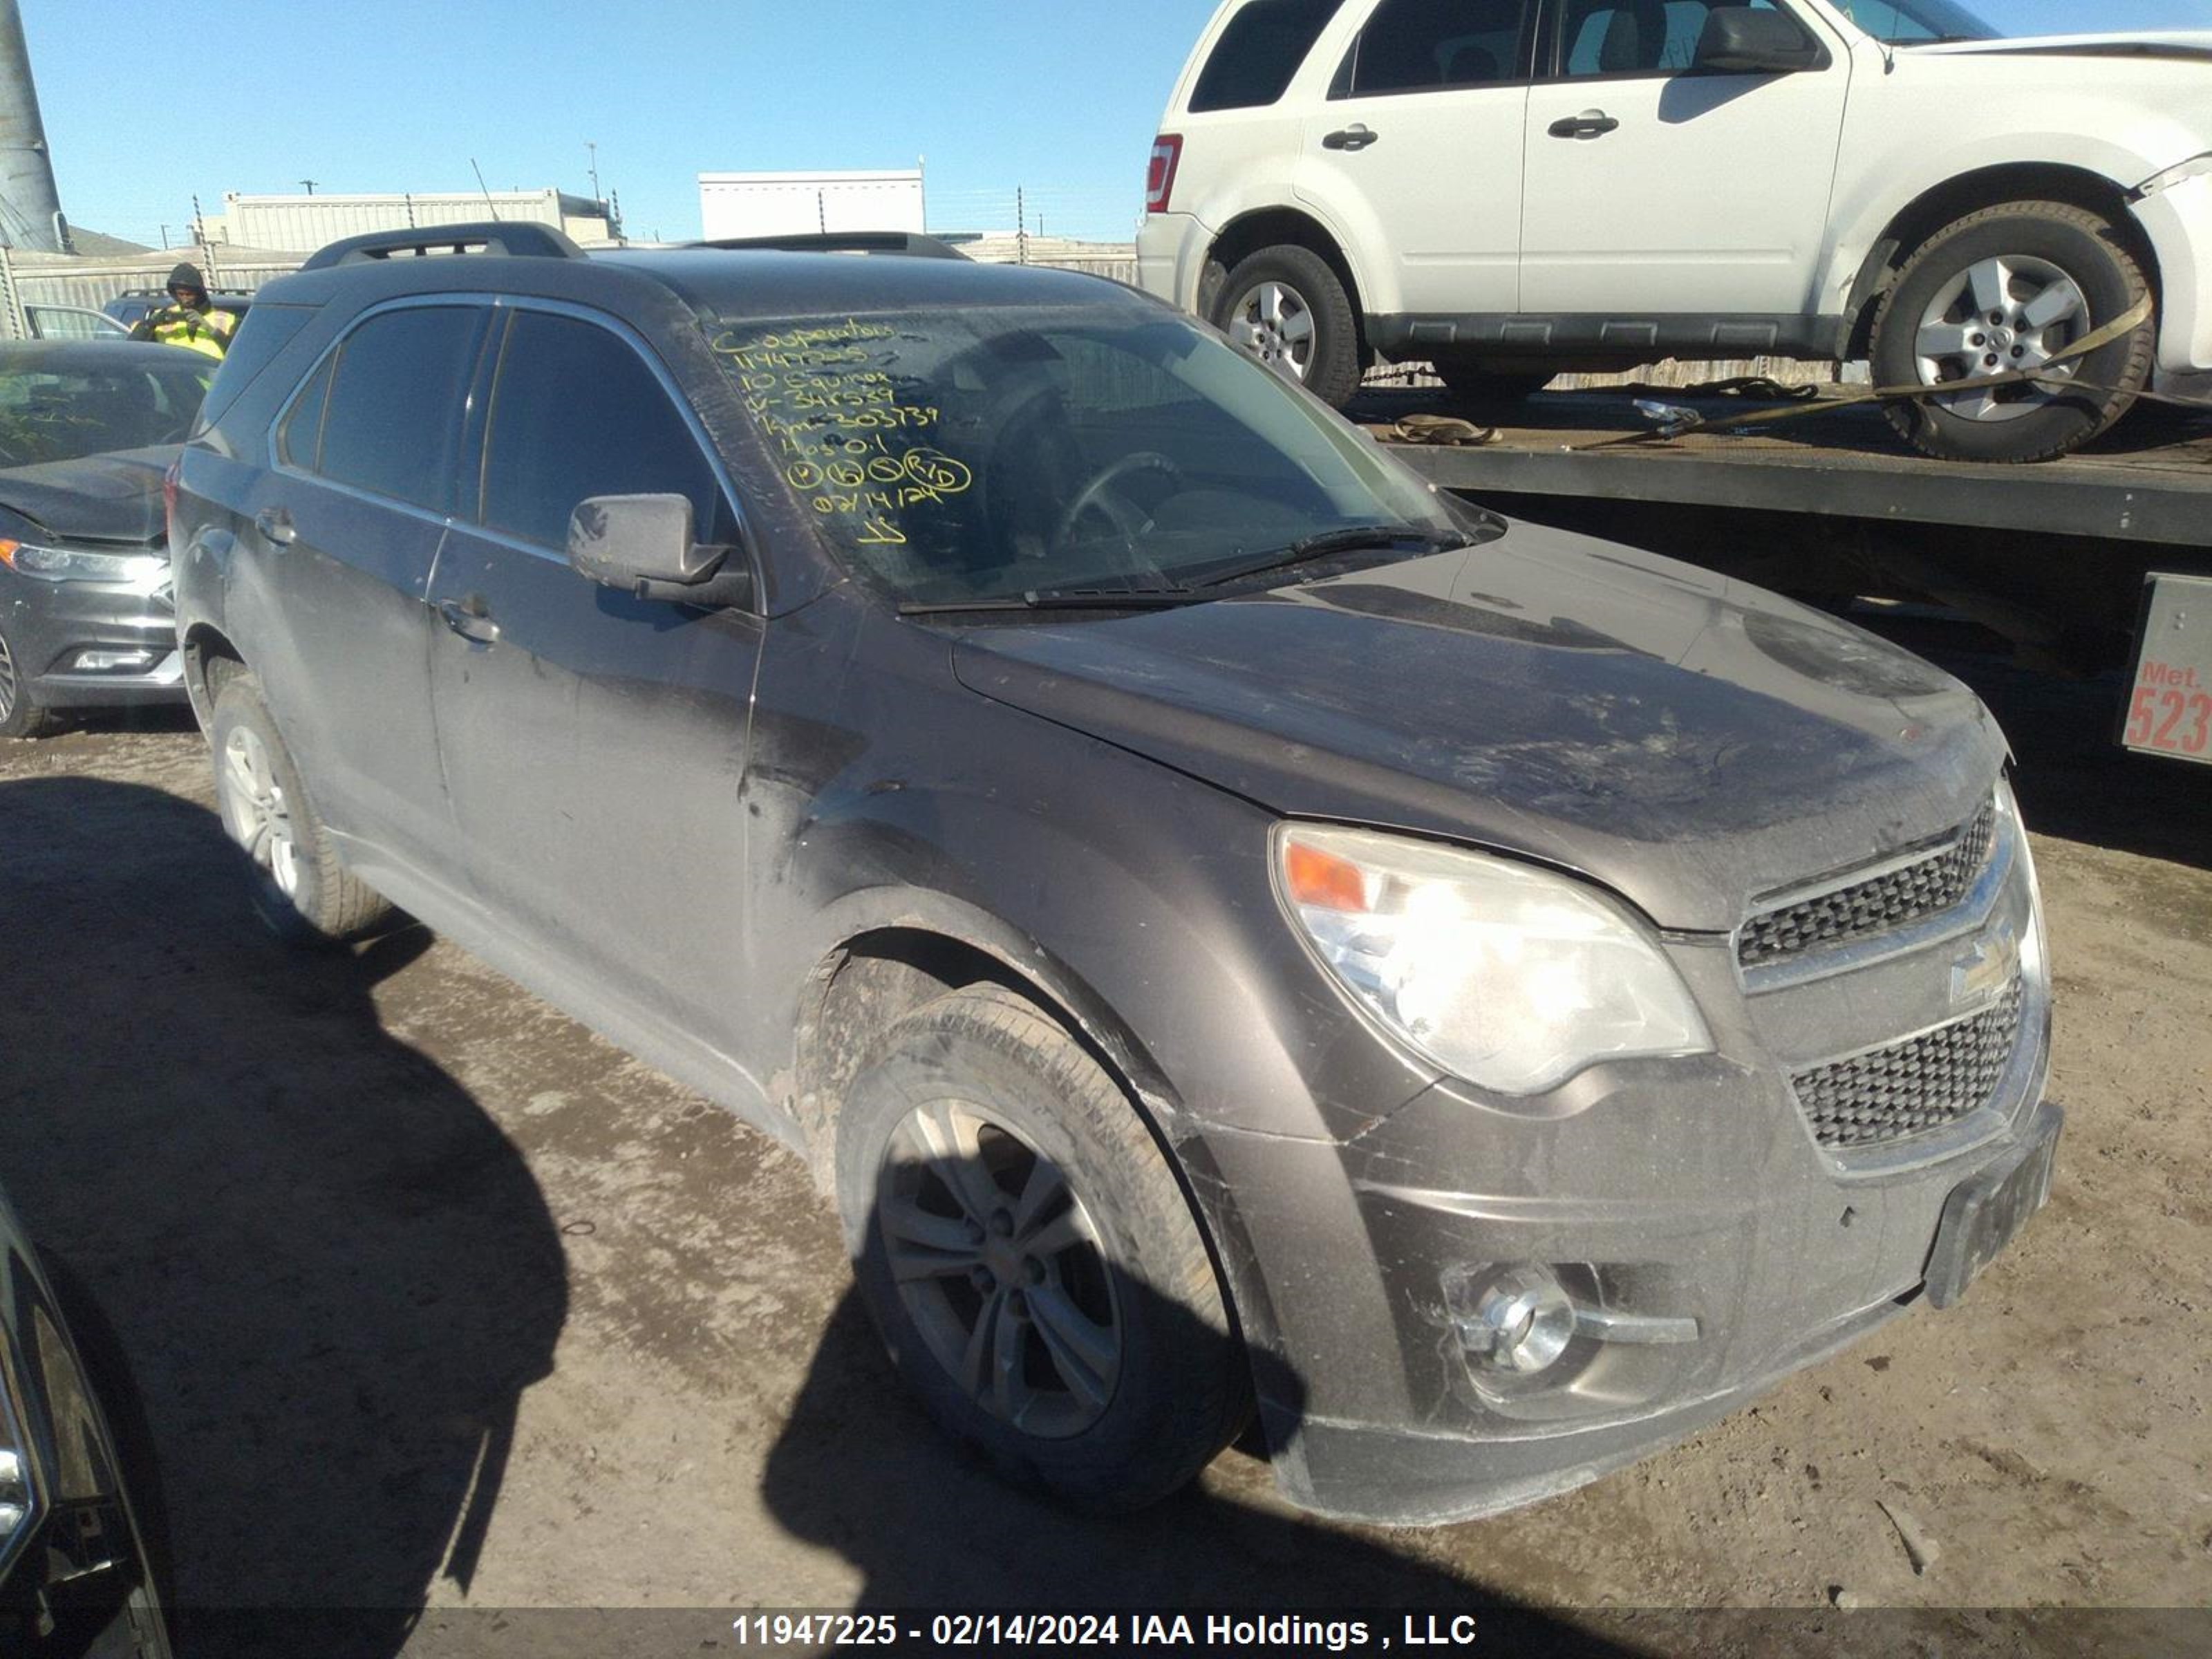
[(2010, 313), (1273, 322)]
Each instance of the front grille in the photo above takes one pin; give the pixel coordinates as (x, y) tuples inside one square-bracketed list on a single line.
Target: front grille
[(1927, 888), (1913, 1087)]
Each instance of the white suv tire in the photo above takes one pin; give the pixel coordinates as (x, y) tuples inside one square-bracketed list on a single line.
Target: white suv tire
[(1285, 306), (2046, 258)]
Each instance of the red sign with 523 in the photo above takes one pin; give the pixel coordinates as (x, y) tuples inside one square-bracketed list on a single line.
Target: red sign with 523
[(2170, 712)]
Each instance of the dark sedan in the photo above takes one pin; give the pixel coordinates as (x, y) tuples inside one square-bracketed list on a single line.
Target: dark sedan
[(77, 1578), (87, 432)]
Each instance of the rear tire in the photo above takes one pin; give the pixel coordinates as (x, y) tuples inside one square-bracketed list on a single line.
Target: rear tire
[(300, 889), (20, 717), (1992, 278), (1285, 306), (1030, 1259)]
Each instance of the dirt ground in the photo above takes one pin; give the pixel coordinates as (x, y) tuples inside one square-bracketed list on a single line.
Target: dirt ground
[(436, 1298)]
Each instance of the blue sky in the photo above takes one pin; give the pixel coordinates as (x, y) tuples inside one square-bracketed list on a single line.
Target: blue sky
[(1061, 98)]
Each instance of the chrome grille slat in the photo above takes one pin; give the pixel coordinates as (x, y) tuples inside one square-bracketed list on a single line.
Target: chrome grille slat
[(1863, 910), (1910, 1088)]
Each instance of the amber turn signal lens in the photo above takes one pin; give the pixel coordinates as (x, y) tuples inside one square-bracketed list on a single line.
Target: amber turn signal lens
[(1324, 880)]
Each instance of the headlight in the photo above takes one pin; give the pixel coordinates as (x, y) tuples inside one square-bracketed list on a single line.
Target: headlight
[(1502, 974), (144, 571), (16, 1505)]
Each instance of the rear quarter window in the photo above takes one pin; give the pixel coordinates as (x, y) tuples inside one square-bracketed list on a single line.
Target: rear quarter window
[(1259, 53), (259, 338)]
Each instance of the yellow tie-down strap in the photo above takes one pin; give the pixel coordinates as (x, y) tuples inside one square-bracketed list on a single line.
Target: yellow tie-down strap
[(1675, 421)]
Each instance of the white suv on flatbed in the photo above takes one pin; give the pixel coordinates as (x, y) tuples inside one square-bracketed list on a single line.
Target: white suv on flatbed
[(1513, 188)]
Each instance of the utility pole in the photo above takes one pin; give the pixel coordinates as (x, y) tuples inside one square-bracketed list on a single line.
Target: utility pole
[(165, 239), (30, 207), (311, 184), (594, 151), (1021, 226)]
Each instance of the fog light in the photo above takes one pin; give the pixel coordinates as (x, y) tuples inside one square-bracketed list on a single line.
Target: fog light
[(1515, 1321), (111, 662)]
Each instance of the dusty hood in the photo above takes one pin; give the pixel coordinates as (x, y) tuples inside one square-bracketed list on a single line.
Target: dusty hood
[(1686, 740), (101, 498)]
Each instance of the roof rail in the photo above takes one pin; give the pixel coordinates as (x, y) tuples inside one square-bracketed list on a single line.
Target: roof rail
[(908, 243), (516, 239)]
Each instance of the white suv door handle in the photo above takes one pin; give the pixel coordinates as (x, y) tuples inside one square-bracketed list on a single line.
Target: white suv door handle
[(1590, 123), (1356, 136)]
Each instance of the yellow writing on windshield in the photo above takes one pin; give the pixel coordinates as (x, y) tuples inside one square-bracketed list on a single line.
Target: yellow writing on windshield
[(850, 434)]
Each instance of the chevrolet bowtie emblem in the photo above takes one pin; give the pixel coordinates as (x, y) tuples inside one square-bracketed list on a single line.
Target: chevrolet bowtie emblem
[(1987, 969)]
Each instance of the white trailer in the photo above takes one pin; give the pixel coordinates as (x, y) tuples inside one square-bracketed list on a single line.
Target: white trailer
[(742, 205)]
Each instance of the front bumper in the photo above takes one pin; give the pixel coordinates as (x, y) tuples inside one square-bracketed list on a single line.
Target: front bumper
[(50, 625), (2178, 219), (1690, 1202)]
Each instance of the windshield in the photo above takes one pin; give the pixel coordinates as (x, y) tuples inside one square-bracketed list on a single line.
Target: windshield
[(991, 453), (64, 414), (1905, 22)]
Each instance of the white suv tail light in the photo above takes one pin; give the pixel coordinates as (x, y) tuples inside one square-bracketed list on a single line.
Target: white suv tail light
[(1160, 177)]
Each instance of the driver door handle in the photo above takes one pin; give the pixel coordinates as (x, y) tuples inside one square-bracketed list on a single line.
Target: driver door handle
[(1590, 123), (276, 526), (1357, 137), (469, 619)]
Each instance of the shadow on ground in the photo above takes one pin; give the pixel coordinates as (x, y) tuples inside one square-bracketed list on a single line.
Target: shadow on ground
[(331, 1271)]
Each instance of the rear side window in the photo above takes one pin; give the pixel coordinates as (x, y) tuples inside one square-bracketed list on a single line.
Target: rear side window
[(1433, 45), (395, 403), (1259, 53), (577, 413)]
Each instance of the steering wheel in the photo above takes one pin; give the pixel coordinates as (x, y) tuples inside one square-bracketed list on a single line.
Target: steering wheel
[(1098, 497)]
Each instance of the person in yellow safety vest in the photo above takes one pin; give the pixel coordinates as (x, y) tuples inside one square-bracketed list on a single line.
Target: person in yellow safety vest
[(189, 319)]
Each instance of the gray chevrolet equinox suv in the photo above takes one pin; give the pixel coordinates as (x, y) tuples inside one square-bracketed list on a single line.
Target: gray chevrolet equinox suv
[(1231, 927)]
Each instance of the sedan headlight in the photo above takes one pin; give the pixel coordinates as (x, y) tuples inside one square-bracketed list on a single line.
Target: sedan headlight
[(17, 1506), (1503, 974), (144, 571)]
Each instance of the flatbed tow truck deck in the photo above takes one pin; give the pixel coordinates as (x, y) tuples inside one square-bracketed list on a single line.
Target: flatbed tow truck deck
[(2148, 480)]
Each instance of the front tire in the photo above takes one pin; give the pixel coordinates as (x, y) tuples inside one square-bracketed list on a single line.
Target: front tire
[(300, 889), (2006, 289), (1028, 1258), (20, 717), (1287, 308)]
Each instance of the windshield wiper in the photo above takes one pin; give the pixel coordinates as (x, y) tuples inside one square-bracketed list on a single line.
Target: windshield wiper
[(1357, 539), (1061, 598)]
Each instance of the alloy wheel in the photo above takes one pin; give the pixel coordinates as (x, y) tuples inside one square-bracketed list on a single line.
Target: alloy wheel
[(9, 687), (1273, 322), (1000, 1269), (256, 812), (2014, 312)]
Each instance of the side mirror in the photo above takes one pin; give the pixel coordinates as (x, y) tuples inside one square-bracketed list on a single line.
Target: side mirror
[(1747, 40), (643, 544)]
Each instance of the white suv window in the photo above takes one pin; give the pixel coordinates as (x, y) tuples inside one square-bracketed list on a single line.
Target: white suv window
[(1434, 46), (1259, 53)]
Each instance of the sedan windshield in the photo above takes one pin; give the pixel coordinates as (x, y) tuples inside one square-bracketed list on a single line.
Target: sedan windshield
[(54, 414), (1917, 22), (1084, 451)]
